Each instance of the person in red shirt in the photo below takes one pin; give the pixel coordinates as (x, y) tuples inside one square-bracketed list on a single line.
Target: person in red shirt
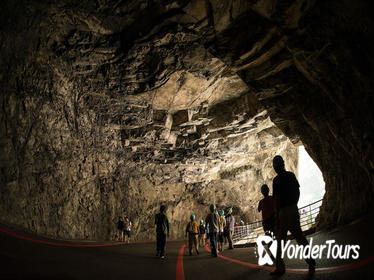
[(267, 207)]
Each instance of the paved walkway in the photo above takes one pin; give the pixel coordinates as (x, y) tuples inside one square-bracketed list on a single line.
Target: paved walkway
[(23, 256)]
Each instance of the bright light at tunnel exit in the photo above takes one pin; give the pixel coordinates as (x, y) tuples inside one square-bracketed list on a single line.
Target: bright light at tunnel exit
[(312, 186)]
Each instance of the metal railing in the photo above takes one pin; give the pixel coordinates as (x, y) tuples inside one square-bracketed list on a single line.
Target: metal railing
[(248, 233)]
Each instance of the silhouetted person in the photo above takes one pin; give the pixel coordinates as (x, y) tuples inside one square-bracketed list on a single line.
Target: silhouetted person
[(120, 227), (212, 223), (286, 194), (267, 207), (162, 230)]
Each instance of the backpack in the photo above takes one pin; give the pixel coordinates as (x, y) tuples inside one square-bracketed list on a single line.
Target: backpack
[(193, 227), (202, 229), (221, 223)]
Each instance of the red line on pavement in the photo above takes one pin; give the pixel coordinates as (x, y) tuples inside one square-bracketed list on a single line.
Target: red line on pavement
[(180, 272), (302, 270), (56, 243), (242, 263)]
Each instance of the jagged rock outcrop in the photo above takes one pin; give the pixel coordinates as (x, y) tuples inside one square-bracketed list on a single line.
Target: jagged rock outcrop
[(112, 107), (311, 66)]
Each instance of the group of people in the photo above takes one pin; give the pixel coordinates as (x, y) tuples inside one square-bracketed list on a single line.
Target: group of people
[(124, 229), (280, 215), (217, 228)]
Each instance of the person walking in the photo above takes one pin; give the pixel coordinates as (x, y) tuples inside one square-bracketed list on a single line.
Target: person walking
[(207, 235), (287, 218), (192, 230), (267, 207), (222, 224), (212, 221), (202, 232), (127, 229), (162, 231), (120, 227), (230, 224)]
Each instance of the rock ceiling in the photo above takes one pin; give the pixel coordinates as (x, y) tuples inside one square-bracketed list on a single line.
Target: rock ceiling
[(143, 69)]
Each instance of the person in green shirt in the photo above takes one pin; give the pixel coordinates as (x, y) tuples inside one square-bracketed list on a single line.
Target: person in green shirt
[(162, 230)]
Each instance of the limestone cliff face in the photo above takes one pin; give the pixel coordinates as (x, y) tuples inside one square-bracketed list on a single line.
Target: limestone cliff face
[(312, 70), (113, 107), (101, 120)]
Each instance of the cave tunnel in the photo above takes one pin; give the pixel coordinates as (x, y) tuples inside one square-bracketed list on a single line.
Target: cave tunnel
[(112, 108)]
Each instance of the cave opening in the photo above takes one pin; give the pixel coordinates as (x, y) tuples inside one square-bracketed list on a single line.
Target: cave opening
[(312, 185)]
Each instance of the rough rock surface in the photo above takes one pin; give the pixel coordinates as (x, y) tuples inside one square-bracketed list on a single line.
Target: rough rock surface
[(112, 107)]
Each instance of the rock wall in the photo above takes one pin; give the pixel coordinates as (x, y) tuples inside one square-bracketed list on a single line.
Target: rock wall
[(111, 107), (311, 66), (73, 183), (100, 120)]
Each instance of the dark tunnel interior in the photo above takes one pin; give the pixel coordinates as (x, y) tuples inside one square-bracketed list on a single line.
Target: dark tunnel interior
[(113, 108)]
